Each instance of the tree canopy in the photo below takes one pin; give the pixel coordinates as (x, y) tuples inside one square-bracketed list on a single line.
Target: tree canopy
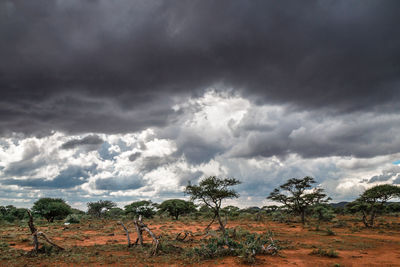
[(100, 207), (297, 195), (212, 191), (177, 207), (10, 213), (144, 208), (51, 208), (373, 201)]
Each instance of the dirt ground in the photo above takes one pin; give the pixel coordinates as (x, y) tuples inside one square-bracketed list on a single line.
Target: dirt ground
[(103, 242)]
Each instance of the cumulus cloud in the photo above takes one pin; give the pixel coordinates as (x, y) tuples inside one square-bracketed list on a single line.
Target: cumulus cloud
[(119, 183), (68, 178)]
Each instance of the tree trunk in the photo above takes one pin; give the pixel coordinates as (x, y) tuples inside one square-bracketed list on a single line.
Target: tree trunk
[(33, 231), (35, 235), (303, 217), (372, 219), (221, 224), (365, 219), (208, 226)]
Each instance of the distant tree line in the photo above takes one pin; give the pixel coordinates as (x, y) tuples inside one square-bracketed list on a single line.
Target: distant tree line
[(297, 196)]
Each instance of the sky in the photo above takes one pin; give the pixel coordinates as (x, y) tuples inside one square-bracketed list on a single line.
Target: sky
[(129, 100)]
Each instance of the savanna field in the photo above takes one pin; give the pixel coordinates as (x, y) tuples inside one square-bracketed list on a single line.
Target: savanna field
[(199, 133), (344, 241)]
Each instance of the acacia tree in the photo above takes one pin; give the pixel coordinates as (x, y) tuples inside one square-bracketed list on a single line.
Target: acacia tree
[(98, 208), (144, 208), (211, 191), (176, 207), (373, 201), (51, 208), (297, 195)]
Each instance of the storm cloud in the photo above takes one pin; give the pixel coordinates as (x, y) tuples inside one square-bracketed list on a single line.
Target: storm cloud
[(133, 99), (66, 58)]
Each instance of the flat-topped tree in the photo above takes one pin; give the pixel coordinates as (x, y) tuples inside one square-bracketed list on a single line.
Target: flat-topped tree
[(176, 207), (51, 208), (373, 201), (211, 191), (100, 207), (297, 195), (144, 208)]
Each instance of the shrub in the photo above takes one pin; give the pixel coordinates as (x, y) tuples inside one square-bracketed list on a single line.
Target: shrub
[(246, 247), (73, 218), (325, 253), (280, 216), (330, 232)]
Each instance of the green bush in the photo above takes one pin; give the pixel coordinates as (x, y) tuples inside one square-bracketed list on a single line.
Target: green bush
[(73, 218), (279, 216), (246, 246)]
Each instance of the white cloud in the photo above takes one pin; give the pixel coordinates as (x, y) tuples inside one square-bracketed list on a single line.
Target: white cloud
[(215, 134)]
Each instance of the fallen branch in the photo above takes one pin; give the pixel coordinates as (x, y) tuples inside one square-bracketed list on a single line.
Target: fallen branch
[(209, 225), (186, 234), (127, 234), (48, 241), (271, 248)]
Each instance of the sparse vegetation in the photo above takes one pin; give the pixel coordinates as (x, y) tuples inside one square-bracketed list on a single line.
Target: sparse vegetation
[(325, 253), (95, 237)]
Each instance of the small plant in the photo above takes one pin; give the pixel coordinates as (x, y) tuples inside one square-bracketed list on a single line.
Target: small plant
[(4, 245), (329, 232), (340, 224), (325, 253), (354, 229)]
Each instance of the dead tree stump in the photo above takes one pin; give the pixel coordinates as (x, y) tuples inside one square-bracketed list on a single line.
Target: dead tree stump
[(127, 234), (36, 234), (140, 227)]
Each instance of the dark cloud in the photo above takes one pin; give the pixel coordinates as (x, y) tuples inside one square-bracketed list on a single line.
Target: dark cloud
[(197, 149), (67, 178), (119, 183), (135, 156), (149, 164), (123, 64), (392, 173), (312, 135), (189, 176), (91, 142)]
